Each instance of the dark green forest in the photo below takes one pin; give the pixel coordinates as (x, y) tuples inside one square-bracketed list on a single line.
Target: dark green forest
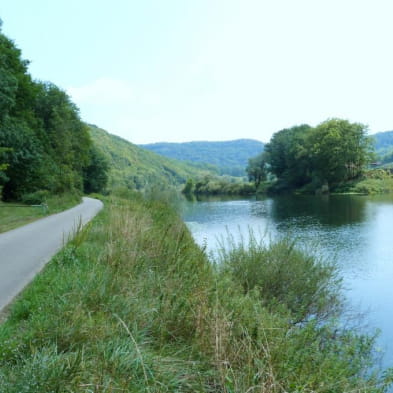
[(229, 157), (44, 145)]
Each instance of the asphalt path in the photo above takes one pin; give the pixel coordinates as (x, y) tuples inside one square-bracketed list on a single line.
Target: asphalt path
[(24, 251)]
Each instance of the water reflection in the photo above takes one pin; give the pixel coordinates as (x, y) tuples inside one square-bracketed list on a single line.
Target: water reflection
[(334, 210), (354, 230)]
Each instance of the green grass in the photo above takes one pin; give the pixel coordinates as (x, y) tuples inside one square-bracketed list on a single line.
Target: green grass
[(133, 305), (14, 215)]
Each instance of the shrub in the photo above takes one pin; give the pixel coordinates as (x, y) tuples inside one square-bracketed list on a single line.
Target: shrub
[(285, 275), (35, 198)]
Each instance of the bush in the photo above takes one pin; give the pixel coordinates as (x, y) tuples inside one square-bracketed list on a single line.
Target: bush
[(376, 181), (35, 198), (285, 275)]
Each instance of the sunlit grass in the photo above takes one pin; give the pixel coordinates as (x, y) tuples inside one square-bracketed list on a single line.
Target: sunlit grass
[(132, 304)]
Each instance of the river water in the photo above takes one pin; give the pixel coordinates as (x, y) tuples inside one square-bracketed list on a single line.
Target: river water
[(357, 231)]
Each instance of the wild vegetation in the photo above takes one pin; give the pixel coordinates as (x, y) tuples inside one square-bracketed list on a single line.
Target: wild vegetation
[(218, 185), (229, 158), (139, 169), (332, 156), (133, 305), (43, 143)]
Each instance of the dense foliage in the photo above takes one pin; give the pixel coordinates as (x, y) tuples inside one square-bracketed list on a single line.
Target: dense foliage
[(335, 151), (229, 157), (217, 185), (43, 143), (136, 168)]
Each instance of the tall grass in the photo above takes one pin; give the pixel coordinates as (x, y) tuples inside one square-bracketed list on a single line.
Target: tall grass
[(133, 305)]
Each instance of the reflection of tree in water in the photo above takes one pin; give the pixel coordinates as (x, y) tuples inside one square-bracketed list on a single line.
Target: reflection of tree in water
[(332, 210)]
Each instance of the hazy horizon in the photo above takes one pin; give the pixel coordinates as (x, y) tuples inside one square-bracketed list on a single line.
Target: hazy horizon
[(219, 70)]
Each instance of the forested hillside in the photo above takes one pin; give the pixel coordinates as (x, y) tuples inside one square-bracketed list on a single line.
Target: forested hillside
[(137, 168), (383, 140), (384, 146), (43, 143), (229, 157)]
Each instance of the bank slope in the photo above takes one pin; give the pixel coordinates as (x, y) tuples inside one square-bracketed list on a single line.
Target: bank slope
[(132, 304), (138, 168)]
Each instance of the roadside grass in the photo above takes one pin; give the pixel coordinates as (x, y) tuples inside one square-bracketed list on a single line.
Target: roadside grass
[(13, 215), (132, 304)]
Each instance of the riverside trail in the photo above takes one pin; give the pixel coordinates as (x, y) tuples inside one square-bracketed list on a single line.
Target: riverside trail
[(25, 251)]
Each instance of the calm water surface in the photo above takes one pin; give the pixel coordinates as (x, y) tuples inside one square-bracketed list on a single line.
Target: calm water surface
[(355, 230)]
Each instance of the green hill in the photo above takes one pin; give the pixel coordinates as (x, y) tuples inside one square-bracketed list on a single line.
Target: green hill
[(383, 140), (230, 157), (138, 168), (384, 146)]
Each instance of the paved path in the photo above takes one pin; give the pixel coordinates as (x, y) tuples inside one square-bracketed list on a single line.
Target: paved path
[(25, 250)]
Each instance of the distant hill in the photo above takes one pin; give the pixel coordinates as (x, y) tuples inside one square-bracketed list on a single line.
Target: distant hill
[(384, 146), (229, 157), (383, 140), (138, 168)]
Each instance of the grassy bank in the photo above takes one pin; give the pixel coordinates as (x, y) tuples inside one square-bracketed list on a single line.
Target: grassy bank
[(13, 215), (133, 305)]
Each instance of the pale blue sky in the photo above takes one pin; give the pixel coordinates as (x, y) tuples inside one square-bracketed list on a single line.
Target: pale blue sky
[(181, 70)]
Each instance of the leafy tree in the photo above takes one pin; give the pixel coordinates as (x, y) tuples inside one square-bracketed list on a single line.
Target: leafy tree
[(10, 68), (257, 168), (50, 145), (3, 166), (95, 175), (340, 150), (288, 154), (24, 157), (333, 152)]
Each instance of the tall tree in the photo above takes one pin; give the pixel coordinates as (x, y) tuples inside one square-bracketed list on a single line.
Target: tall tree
[(257, 168), (48, 146), (24, 157), (340, 150), (95, 175), (288, 153)]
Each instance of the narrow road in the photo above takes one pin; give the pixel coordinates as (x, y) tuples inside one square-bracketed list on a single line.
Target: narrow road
[(25, 250)]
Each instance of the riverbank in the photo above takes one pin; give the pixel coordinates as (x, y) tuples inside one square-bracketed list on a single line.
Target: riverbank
[(372, 182), (218, 185), (133, 305)]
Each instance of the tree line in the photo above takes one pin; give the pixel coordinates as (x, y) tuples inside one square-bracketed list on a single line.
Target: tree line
[(314, 158), (44, 145)]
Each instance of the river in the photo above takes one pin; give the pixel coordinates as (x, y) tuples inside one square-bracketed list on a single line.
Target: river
[(357, 231)]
